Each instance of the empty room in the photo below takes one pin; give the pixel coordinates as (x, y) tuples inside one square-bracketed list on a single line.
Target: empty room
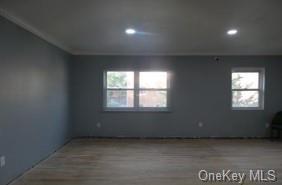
[(140, 92)]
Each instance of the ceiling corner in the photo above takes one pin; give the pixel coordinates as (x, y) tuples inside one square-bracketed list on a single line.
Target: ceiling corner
[(33, 30)]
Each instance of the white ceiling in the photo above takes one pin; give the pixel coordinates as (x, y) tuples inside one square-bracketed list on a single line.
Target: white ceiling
[(168, 27)]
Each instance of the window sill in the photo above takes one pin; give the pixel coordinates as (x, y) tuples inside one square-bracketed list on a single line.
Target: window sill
[(248, 109), (137, 111)]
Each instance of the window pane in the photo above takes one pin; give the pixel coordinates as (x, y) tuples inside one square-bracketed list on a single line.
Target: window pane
[(153, 80), (245, 99), (245, 80), (153, 98), (120, 98), (117, 79)]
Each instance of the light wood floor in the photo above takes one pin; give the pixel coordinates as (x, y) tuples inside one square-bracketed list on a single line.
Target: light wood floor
[(152, 162)]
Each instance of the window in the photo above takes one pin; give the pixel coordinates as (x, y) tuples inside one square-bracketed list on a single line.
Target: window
[(120, 89), (136, 91), (248, 89)]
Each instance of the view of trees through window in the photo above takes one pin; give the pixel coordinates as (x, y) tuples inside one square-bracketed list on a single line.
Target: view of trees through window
[(245, 89), (120, 80)]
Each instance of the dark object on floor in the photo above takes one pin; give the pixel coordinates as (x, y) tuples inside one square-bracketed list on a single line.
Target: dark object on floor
[(276, 124)]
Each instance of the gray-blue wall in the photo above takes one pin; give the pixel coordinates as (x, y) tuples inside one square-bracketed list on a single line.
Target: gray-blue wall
[(33, 99), (200, 93)]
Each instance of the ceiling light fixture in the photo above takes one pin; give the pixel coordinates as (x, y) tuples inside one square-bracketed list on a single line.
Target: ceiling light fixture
[(130, 31), (232, 32)]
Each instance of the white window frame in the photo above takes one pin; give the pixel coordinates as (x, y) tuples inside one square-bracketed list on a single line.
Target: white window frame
[(261, 88), (136, 107)]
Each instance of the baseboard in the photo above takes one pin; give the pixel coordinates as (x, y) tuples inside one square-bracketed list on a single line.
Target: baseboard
[(172, 137)]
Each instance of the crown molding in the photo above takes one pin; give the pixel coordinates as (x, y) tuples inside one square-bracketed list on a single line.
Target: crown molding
[(33, 30), (81, 52)]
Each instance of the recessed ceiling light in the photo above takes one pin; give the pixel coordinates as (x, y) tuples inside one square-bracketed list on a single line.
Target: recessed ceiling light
[(130, 31), (232, 32)]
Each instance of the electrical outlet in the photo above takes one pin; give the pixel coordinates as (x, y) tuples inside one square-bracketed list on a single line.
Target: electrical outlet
[(2, 161), (98, 125), (200, 124)]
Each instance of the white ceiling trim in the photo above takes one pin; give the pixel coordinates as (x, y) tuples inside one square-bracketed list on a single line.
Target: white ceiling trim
[(28, 27), (174, 54)]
